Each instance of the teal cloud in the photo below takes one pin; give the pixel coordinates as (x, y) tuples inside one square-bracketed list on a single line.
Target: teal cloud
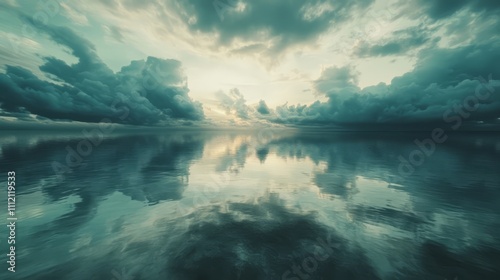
[(146, 92)]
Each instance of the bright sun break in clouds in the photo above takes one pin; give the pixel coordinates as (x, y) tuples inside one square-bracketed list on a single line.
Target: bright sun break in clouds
[(236, 63)]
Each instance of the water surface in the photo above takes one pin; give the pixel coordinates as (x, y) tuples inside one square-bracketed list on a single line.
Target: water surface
[(234, 205)]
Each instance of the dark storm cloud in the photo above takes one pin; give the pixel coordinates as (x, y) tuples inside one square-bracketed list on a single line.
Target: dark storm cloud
[(460, 21), (441, 79), (144, 92), (400, 43), (275, 25)]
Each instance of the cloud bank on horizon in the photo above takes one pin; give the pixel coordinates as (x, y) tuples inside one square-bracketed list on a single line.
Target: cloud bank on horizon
[(451, 49), (143, 93)]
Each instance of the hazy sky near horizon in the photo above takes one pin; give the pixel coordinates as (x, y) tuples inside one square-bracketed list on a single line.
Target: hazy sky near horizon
[(242, 62)]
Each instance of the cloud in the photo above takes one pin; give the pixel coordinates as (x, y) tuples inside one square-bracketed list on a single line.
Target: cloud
[(337, 81), (115, 32), (262, 108), (75, 16), (438, 10), (146, 92), (242, 25), (459, 22), (233, 102), (242, 114), (441, 80), (401, 42)]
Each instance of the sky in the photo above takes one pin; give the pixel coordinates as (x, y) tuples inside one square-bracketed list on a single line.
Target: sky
[(354, 64)]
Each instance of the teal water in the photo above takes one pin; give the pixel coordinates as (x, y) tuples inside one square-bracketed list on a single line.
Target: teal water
[(235, 205)]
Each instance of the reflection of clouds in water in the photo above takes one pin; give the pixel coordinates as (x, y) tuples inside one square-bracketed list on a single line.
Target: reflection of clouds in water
[(350, 157), (262, 246), (260, 240), (453, 198), (228, 151), (150, 169), (262, 154), (345, 185), (233, 162), (136, 165)]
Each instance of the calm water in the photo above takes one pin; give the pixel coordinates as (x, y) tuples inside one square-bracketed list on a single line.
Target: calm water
[(221, 205)]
